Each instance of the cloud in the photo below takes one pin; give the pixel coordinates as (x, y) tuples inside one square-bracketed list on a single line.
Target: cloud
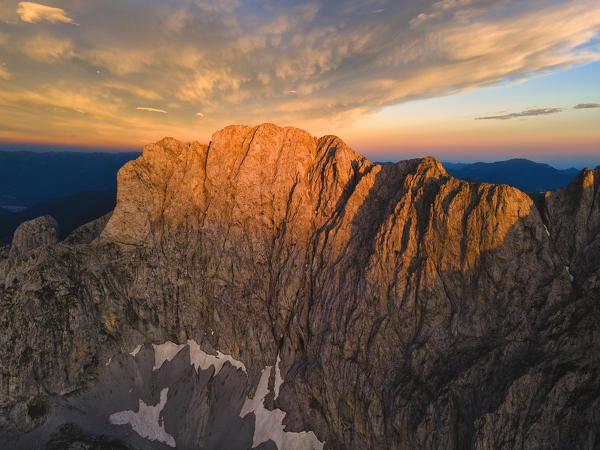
[(47, 48), (125, 88), (156, 110), (444, 8), (527, 113), (78, 114), (199, 114), (242, 61), (35, 13), (88, 102), (586, 105), (4, 74)]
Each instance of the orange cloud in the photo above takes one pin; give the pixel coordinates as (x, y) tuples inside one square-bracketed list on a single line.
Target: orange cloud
[(156, 110), (35, 13), (4, 74), (318, 65)]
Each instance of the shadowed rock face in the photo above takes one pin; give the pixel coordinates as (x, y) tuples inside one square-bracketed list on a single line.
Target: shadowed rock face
[(159, 397), (389, 306)]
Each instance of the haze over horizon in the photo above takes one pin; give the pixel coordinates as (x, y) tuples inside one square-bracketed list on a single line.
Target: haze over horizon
[(462, 80)]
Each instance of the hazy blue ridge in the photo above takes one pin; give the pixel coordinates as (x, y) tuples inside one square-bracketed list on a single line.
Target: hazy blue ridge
[(73, 187), (70, 212), (27, 178), (526, 175)]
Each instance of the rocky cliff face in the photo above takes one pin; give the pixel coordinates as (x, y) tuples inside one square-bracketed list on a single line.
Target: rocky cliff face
[(300, 296)]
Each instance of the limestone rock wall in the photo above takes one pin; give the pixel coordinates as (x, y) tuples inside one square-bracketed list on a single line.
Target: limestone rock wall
[(407, 308)]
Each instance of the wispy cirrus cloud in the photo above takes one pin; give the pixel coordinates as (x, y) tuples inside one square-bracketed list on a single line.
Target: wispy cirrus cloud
[(154, 110), (527, 113), (461, 10), (586, 106), (36, 12)]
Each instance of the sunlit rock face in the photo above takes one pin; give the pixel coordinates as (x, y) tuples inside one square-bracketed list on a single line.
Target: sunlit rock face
[(333, 302)]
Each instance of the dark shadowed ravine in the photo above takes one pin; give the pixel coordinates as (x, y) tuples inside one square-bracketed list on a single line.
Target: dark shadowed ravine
[(277, 290)]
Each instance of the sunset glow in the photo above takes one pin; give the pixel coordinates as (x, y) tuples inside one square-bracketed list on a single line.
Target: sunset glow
[(458, 79)]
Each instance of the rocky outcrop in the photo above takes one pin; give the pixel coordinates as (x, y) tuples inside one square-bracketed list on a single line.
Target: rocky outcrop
[(374, 306), (32, 234)]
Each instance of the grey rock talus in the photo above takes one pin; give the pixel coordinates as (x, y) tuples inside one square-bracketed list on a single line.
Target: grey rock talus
[(406, 308)]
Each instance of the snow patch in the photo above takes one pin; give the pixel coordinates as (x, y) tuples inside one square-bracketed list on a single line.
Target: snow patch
[(546, 228), (198, 358), (165, 352), (269, 424), (569, 272), (202, 360), (147, 422), (278, 379)]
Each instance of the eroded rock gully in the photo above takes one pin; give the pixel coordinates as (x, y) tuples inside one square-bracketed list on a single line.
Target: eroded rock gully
[(369, 307)]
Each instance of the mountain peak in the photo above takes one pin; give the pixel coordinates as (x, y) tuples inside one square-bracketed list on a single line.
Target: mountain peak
[(432, 167), (376, 293), (260, 166), (256, 170)]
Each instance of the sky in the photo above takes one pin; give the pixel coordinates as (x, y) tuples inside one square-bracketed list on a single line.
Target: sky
[(462, 80)]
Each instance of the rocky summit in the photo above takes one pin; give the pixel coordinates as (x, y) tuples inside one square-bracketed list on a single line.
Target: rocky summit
[(277, 290)]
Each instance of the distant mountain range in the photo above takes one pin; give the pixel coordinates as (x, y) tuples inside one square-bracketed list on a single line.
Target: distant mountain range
[(72, 187), (526, 175), (27, 178), (70, 212)]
